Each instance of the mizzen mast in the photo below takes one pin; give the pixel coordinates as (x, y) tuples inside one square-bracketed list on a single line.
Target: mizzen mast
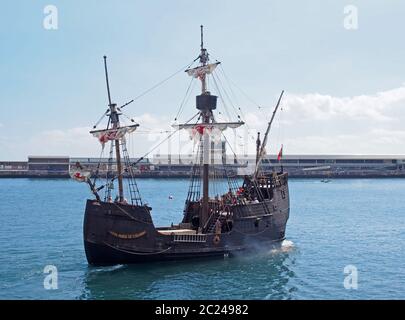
[(114, 119)]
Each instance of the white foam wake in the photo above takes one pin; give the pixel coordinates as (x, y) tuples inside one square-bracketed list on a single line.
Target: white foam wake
[(108, 269), (285, 246)]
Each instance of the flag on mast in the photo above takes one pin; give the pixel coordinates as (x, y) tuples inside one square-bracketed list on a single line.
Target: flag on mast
[(280, 154)]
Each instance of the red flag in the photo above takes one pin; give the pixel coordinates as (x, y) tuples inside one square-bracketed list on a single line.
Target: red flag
[(280, 154)]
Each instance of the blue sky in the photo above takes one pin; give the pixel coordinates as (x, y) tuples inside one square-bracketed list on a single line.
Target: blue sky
[(344, 89)]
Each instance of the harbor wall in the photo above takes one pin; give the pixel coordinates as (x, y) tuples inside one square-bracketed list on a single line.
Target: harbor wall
[(298, 166)]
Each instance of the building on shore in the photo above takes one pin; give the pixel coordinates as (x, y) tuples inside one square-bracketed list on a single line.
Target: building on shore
[(335, 165), (180, 165), (13, 168), (48, 166), (302, 165)]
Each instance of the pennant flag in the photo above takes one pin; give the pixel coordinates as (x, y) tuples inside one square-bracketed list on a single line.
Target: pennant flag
[(280, 154)]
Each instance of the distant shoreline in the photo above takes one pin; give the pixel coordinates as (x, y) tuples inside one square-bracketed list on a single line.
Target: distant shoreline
[(20, 175)]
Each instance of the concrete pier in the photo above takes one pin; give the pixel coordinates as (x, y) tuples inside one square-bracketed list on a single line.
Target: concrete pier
[(300, 166)]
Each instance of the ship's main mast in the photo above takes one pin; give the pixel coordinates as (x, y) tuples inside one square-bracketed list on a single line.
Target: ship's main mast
[(206, 106), (206, 103)]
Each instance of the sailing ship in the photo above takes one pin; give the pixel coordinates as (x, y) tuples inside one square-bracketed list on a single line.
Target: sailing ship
[(251, 213)]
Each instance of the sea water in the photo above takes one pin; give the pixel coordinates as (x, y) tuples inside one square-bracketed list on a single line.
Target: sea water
[(344, 240)]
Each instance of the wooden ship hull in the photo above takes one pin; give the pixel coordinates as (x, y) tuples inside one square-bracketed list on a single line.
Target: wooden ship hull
[(122, 234)]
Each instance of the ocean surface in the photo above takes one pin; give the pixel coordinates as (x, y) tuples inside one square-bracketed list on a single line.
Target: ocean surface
[(358, 223)]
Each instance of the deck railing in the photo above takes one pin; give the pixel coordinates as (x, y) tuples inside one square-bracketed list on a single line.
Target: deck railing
[(190, 238)]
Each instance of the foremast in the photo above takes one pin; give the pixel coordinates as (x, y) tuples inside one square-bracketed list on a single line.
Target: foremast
[(114, 133), (115, 121)]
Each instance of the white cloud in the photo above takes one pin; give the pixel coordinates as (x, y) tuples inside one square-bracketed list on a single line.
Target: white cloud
[(315, 123), (73, 142), (78, 142), (148, 120), (376, 107), (308, 124)]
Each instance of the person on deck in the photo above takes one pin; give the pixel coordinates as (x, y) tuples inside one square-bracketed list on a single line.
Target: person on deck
[(218, 227)]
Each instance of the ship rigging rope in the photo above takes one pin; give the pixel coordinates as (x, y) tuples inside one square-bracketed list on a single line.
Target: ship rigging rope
[(236, 157), (222, 99), (98, 166), (230, 82), (101, 118), (236, 86), (232, 92), (136, 253), (160, 143), (130, 216), (164, 80), (216, 77), (126, 116), (240, 116), (154, 148), (186, 97)]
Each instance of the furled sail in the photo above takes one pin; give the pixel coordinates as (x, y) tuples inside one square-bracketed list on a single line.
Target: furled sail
[(201, 71), (79, 175), (113, 134), (213, 130)]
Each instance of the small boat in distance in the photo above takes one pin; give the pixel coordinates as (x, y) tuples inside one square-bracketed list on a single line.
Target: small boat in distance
[(118, 226)]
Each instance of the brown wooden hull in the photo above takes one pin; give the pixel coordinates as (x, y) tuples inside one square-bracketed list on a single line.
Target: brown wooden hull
[(123, 234)]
